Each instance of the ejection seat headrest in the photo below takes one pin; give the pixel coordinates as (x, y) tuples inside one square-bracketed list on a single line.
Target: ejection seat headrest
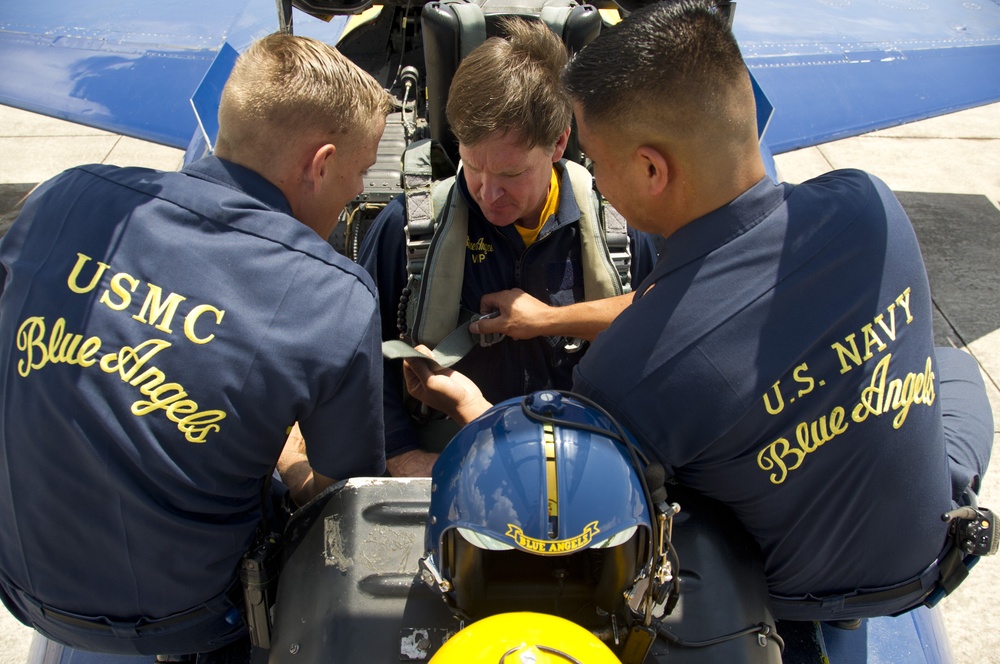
[(453, 28)]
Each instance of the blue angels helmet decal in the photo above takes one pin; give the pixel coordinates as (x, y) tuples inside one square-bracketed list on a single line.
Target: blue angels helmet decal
[(544, 474)]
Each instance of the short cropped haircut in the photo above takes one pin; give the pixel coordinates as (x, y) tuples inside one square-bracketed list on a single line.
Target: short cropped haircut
[(284, 86), (675, 64), (512, 85)]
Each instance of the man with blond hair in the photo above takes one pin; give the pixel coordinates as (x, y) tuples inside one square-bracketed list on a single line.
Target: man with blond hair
[(530, 213), (161, 334)]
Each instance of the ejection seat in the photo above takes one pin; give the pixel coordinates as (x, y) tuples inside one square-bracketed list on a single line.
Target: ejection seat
[(453, 28)]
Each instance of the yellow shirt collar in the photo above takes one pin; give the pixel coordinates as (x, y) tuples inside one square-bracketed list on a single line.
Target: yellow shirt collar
[(529, 235)]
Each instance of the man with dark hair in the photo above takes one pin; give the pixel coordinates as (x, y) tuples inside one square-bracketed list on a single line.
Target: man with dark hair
[(160, 333), (780, 357), (533, 230)]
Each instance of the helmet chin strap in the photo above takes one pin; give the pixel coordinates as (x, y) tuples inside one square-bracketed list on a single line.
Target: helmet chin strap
[(656, 589)]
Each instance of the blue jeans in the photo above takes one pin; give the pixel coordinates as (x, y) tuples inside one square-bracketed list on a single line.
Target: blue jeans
[(203, 628), (968, 419)]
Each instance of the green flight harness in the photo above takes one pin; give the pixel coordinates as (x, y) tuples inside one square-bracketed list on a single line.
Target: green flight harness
[(430, 311)]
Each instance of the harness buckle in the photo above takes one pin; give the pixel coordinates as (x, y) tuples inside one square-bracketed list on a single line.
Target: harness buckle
[(491, 338)]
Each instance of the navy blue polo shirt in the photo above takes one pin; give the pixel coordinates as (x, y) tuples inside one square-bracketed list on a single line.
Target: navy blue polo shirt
[(495, 259), (780, 359), (159, 334)]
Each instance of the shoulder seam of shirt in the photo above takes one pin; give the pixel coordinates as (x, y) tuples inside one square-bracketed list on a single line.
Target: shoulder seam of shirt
[(262, 208)]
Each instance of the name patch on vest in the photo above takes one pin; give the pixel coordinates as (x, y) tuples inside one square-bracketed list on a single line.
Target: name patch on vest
[(478, 249)]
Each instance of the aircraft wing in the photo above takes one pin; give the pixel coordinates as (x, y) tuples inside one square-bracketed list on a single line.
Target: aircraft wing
[(125, 66), (838, 68), (830, 68)]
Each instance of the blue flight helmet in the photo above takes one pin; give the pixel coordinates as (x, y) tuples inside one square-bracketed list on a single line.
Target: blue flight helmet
[(538, 505)]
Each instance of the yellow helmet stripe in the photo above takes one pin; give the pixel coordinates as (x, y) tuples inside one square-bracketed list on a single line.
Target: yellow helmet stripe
[(549, 443)]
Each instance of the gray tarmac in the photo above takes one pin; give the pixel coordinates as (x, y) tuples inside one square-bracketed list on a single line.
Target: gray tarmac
[(945, 170)]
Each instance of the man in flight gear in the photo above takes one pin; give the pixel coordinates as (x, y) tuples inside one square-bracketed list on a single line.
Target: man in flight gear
[(516, 216)]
